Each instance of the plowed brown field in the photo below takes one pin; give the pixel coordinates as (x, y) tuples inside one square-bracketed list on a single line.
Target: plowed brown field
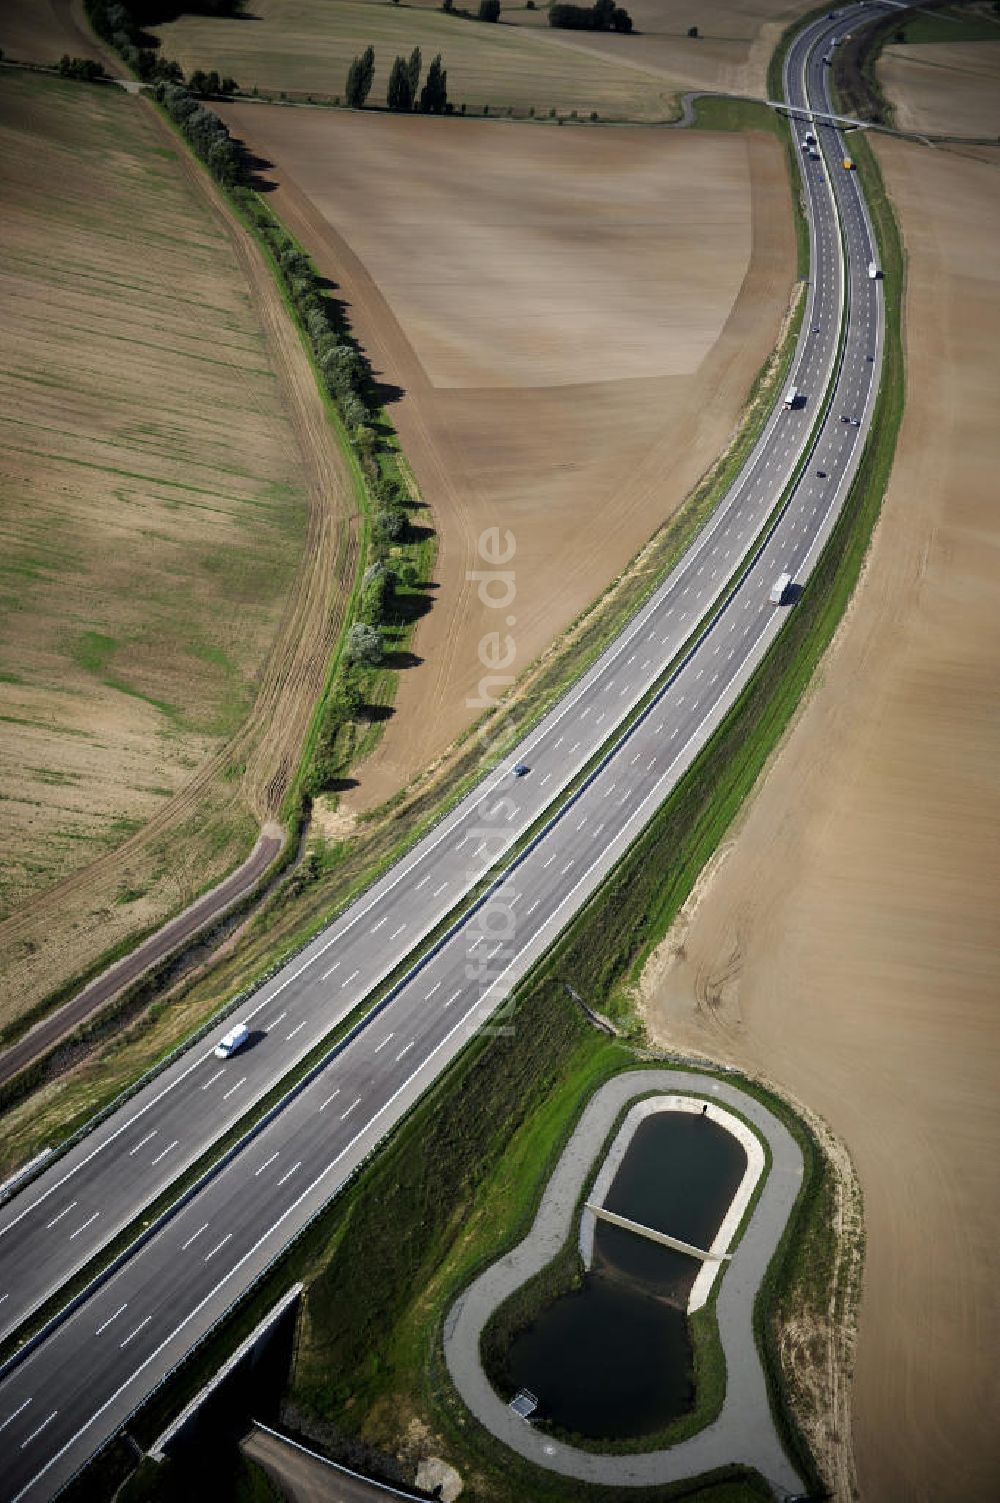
[(574, 318), (178, 549), (846, 945)]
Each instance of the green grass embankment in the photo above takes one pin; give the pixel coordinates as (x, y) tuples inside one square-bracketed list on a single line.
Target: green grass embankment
[(922, 25)]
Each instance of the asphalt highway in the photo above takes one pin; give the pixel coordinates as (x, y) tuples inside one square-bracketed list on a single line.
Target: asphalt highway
[(77, 1386)]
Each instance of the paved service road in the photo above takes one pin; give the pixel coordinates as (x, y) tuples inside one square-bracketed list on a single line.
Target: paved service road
[(79, 1383), (303, 1477), (208, 909), (744, 1430)]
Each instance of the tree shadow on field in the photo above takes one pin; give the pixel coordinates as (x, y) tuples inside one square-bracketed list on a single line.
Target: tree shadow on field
[(255, 167), (400, 659), (173, 10), (410, 607), (376, 714), (341, 785), (380, 392)]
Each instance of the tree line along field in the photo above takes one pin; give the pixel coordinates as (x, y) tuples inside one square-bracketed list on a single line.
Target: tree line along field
[(155, 512), (303, 48)]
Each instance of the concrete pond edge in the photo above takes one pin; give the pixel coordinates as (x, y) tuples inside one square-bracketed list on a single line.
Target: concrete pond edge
[(751, 1144)]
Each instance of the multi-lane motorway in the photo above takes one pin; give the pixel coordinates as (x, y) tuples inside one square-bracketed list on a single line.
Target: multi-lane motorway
[(58, 1404)]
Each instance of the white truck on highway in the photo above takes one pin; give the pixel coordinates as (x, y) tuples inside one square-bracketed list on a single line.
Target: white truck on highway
[(873, 270), (780, 588), (791, 398)]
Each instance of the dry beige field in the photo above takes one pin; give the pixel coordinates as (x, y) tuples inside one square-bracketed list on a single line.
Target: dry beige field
[(946, 88), (305, 46), (173, 533), (471, 257), (847, 944)]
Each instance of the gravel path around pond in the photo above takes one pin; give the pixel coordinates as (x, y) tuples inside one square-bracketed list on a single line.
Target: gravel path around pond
[(744, 1430)]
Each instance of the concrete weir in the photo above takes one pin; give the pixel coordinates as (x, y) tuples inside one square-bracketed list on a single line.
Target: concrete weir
[(651, 1234)]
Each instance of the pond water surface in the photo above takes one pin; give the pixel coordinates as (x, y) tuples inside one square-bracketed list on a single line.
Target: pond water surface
[(613, 1360)]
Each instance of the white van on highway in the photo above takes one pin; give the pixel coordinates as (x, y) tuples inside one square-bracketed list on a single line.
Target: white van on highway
[(780, 588), (232, 1041)]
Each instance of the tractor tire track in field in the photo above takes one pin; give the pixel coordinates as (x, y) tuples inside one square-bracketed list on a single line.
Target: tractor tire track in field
[(267, 747)]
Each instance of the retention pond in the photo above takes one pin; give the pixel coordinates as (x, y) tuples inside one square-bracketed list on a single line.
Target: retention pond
[(613, 1360)]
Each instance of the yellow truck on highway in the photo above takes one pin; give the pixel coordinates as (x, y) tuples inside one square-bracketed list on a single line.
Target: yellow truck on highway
[(848, 164)]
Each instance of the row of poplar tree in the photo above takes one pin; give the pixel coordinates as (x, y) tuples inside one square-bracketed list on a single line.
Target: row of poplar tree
[(404, 92)]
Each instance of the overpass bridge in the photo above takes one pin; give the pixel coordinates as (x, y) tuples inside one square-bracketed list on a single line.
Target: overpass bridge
[(802, 112)]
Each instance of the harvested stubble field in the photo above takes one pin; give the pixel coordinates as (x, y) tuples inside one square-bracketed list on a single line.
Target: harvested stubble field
[(945, 88), (171, 539), (574, 319), (303, 47), (846, 943)]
